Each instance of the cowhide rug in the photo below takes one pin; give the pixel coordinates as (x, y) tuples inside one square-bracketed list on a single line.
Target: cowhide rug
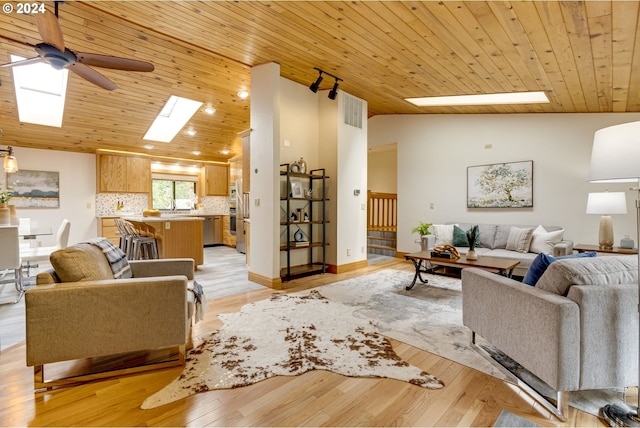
[(288, 335)]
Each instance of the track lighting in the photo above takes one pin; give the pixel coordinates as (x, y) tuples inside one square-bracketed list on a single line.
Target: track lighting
[(333, 93), (315, 85)]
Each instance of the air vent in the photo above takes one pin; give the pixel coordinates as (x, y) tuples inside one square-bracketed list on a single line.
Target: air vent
[(352, 110)]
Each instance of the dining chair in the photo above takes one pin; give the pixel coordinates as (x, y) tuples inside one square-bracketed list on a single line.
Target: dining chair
[(10, 259), (30, 256)]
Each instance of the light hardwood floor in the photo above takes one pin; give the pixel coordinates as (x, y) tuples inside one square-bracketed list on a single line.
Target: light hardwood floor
[(318, 398)]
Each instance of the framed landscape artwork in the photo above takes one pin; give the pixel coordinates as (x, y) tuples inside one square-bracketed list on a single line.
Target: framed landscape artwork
[(500, 185), (35, 189)]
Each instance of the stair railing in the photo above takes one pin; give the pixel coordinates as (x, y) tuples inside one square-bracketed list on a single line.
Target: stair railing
[(382, 210)]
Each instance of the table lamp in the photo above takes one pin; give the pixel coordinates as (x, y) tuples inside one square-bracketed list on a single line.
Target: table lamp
[(606, 204), (615, 157)]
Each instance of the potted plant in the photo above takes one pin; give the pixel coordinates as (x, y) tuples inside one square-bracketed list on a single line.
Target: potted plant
[(472, 237), (423, 230), (5, 213), (5, 196)]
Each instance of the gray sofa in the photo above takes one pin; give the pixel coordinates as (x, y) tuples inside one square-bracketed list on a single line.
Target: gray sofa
[(576, 329), (493, 242)]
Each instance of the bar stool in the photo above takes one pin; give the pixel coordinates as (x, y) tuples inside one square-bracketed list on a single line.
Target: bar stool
[(124, 236), (142, 241)]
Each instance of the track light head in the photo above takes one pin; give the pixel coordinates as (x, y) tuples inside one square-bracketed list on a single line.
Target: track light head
[(333, 93), (315, 85)]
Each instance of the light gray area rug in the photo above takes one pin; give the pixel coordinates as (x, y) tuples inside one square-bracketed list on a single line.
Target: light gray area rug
[(429, 317), (288, 335), (508, 419)]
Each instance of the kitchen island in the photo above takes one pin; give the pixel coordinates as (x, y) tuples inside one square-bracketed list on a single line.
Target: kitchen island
[(177, 236)]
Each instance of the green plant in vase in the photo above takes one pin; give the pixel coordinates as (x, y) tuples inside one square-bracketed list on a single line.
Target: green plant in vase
[(5, 196), (422, 229), (5, 212), (473, 235)]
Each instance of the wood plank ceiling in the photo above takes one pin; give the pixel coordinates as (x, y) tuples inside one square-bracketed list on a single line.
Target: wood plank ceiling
[(581, 53)]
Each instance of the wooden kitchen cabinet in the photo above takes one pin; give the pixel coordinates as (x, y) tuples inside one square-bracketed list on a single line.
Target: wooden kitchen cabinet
[(124, 174), (107, 229), (216, 180), (227, 238)]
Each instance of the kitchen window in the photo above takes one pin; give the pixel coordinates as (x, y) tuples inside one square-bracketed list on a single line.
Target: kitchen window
[(170, 192)]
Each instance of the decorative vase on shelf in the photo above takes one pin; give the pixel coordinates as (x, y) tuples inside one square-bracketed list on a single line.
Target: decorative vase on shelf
[(472, 255), (303, 166), (626, 242), (5, 216), (14, 220)]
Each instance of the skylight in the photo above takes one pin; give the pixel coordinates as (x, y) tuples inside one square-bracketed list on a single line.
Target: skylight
[(173, 116), (40, 92), (482, 99)]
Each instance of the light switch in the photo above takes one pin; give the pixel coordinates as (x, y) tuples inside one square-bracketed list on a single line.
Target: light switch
[(256, 202), (167, 225)]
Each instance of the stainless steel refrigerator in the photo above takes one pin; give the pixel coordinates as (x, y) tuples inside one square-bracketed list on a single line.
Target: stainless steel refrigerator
[(242, 213)]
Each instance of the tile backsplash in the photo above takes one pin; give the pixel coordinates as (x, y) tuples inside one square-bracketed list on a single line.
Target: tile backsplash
[(135, 203)]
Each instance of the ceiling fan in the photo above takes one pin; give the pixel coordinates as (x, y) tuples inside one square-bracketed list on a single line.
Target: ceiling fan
[(53, 51)]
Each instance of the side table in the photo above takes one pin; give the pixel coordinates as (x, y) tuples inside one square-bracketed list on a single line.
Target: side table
[(581, 248)]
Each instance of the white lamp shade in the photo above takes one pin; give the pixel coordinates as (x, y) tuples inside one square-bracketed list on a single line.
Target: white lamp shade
[(615, 156), (607, 203)]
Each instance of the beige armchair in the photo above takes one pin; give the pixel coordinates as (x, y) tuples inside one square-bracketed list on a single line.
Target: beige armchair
[(80, 311)]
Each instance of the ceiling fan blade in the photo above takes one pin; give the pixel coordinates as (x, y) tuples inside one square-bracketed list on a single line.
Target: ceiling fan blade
[(49, 29), (113, 62), (23, 62), (92, 76)]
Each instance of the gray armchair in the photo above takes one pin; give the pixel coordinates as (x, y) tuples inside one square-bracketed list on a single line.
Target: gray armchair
[(573, 337)]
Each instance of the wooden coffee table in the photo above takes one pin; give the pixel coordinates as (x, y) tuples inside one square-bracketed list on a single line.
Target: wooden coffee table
[(424, 263)]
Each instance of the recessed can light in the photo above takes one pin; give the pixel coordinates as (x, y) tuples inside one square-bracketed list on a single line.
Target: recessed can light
[(148, 146), (224, 152), (243, 94), (191, 132), (196, 152), (209, 110)]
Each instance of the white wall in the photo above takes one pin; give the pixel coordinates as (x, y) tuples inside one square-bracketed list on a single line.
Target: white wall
[(351, 243), (265, 159), (77, 192), (299, 124), (434, 152), (383, 162)]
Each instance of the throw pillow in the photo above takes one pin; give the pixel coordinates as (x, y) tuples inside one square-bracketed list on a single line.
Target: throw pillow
[(542, 261), (543, 241), (519, 239), (460, 238), (80, 262), (443, 234)]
